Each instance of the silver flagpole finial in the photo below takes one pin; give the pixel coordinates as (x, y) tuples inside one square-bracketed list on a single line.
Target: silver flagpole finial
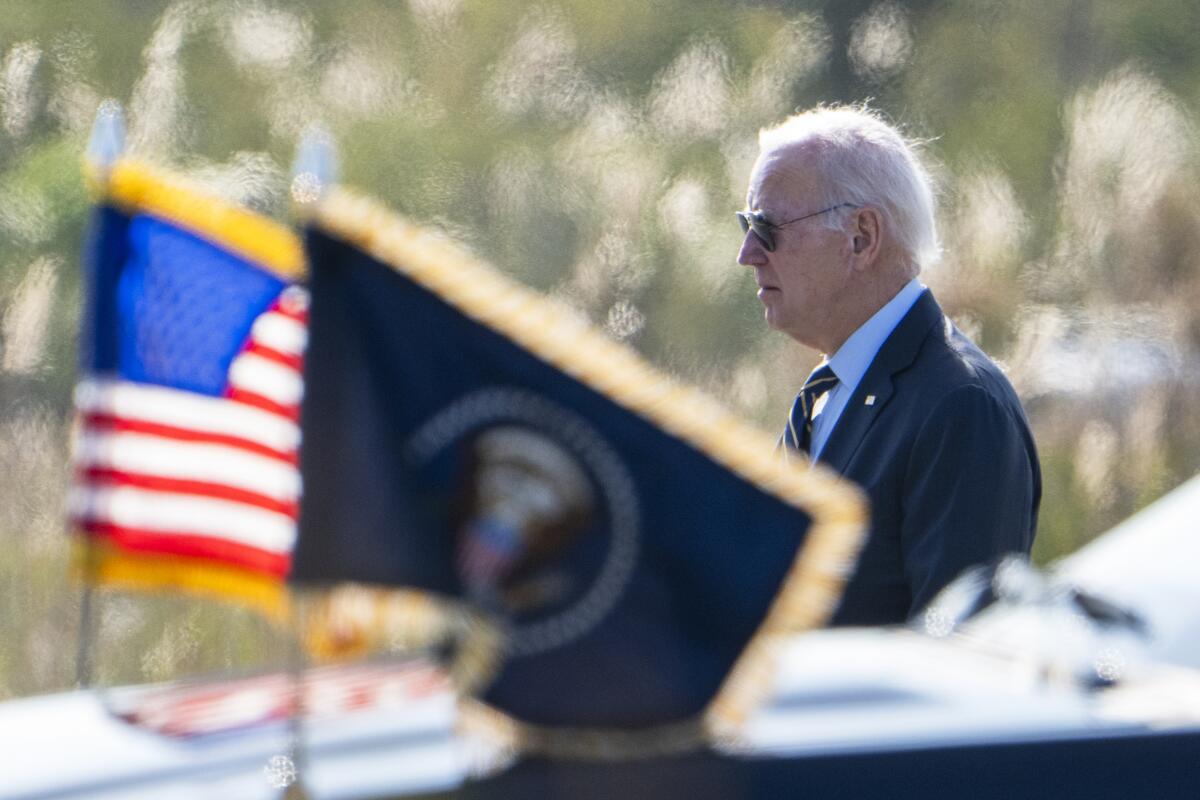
[(108, 135), (315, 168)]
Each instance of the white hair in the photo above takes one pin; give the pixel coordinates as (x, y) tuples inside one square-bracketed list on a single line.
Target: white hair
[(864, 161)]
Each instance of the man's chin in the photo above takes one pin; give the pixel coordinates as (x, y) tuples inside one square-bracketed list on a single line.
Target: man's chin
[(777, 322)]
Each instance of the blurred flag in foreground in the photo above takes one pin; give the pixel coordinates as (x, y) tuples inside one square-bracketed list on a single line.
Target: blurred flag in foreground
[(630, 546), (185, 455)]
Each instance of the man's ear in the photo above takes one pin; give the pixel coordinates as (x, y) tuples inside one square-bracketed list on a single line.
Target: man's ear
[(866, 233)]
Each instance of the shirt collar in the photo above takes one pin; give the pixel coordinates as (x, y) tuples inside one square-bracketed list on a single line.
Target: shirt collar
[(851, 360)]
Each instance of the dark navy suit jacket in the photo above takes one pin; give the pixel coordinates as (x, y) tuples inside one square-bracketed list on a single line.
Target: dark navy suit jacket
[(945, 455)]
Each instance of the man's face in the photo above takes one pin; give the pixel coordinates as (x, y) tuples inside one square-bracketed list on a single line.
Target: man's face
[(803, 283)]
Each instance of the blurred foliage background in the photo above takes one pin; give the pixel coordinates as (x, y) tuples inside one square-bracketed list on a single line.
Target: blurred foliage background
[(596, 151)]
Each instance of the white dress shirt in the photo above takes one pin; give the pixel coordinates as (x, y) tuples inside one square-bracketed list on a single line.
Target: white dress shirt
[(852, 359)]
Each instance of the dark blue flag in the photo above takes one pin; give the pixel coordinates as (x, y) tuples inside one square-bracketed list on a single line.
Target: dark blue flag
[(630, 542)]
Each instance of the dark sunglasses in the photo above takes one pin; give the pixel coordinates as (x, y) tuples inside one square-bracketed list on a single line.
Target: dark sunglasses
[(755, 221)]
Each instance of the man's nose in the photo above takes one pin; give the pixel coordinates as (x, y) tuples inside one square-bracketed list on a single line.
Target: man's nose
[(752, 254)]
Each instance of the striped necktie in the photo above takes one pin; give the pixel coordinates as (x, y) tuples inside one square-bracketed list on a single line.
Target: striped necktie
[(799, 430)]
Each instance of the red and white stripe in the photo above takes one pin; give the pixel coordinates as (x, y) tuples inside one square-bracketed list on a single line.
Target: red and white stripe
[(197, 710), (161, 470), (266, 374)]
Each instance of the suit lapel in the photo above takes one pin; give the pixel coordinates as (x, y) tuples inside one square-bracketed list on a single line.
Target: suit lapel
[(876, 387)]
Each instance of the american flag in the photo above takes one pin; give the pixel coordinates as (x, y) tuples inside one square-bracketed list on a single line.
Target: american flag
[(186, 450)]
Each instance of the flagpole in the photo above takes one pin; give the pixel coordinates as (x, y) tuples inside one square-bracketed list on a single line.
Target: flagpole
[(105, 146), (83, 654), (312, 174), (297, 744)]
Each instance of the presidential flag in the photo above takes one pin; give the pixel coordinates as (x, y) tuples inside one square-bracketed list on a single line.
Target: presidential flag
[(630, 547), (186, 445)]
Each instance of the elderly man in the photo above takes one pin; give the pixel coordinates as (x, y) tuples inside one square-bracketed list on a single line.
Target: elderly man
[(839, 222)]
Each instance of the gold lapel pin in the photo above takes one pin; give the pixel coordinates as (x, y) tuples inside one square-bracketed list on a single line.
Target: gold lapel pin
[(870, 401)]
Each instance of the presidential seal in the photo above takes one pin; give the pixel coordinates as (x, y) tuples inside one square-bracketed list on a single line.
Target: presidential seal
[(546, 523)]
